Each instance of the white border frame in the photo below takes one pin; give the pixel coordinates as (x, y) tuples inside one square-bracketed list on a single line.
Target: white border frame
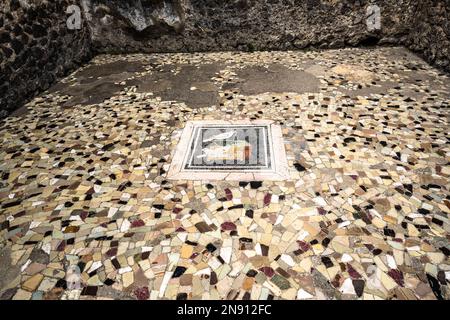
[(280, 171)]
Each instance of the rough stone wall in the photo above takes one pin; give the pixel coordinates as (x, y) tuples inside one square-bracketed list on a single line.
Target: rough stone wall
[(212, 25), (430, 36), (36, 48)]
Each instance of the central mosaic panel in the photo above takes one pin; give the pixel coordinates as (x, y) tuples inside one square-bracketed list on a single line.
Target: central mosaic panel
[(219, 147), (230, 150)]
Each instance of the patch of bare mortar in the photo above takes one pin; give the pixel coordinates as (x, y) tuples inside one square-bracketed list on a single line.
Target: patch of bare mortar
[(275, 78), (189, 84), (97, 82)]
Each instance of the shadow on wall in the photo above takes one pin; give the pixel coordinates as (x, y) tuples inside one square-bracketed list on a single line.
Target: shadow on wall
[(215, 25), (430, 36)]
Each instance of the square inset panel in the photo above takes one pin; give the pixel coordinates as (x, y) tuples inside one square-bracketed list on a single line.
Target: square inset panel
[(230, 150)]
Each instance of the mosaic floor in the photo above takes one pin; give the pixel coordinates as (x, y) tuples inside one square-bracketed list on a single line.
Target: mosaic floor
[(87, 211)]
